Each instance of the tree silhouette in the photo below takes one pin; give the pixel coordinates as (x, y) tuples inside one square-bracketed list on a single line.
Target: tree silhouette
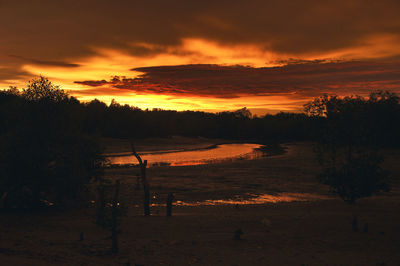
[(358, 178), (348, 146), (43, 88), (46, 156)]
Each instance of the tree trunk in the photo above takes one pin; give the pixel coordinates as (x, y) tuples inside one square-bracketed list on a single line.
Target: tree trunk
[(146, 187)]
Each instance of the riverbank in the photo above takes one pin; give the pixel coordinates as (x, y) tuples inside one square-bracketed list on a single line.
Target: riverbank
[(186, 151), (287, 233)]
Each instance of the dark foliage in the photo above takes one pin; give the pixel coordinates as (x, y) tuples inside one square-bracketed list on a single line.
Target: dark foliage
[(46, 157), (351, 133), (358, 121), (361, 177), (123, 121)]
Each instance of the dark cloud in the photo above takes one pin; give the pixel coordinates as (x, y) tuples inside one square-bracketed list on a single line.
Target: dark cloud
[(93, 83), (65, 30), (300, 80)]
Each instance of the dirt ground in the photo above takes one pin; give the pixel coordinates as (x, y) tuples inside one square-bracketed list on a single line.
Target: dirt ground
[(316, 232)]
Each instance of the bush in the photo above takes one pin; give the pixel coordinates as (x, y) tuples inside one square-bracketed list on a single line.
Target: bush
[(358, 178)]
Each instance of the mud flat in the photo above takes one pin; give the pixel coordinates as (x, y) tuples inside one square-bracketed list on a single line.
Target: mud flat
[(313, 231)]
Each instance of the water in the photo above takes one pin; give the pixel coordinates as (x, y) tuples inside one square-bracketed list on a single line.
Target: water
[(257, 199), (193, 157), (251, 199)]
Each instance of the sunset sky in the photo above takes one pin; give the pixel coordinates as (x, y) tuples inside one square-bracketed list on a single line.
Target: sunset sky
[(269, 56)]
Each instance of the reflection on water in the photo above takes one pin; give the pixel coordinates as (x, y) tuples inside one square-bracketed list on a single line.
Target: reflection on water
[(194, 157), (257, 199), (253, 199)]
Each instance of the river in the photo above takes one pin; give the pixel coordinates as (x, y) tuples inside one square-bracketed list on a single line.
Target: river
[(212, 154)]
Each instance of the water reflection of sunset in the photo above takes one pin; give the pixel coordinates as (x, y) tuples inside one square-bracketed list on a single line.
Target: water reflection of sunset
[(195, 157), (255, 199)]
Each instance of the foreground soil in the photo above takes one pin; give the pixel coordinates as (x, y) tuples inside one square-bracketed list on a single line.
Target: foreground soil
[(316, 232)]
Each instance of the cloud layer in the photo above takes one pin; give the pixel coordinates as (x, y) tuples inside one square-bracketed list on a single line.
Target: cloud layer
[(62, 32), (182, 48), (301, 80)]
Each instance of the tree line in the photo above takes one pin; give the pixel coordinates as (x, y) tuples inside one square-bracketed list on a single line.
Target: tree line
[(124, 121), (50, 148), (373, 120)]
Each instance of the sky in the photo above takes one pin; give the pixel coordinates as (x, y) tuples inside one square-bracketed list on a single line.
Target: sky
[(268, 56)]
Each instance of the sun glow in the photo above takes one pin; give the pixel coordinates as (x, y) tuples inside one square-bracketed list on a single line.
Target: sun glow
[(108, 63)]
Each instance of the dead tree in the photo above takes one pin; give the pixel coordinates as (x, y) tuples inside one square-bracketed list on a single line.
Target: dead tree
[(146, 189), (114, 221)]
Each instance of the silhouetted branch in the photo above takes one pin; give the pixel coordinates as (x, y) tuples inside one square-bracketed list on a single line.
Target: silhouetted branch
[(143, 165)]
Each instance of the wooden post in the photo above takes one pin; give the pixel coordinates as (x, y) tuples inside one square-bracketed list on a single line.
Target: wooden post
[(170, 198), (146, 187), (114, 222)]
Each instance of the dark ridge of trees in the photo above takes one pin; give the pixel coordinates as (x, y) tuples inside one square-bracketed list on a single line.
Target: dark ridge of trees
[(358, 121), (123, 121), (374, 120)]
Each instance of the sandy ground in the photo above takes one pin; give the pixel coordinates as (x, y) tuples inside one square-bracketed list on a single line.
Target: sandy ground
[(294, 233)]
